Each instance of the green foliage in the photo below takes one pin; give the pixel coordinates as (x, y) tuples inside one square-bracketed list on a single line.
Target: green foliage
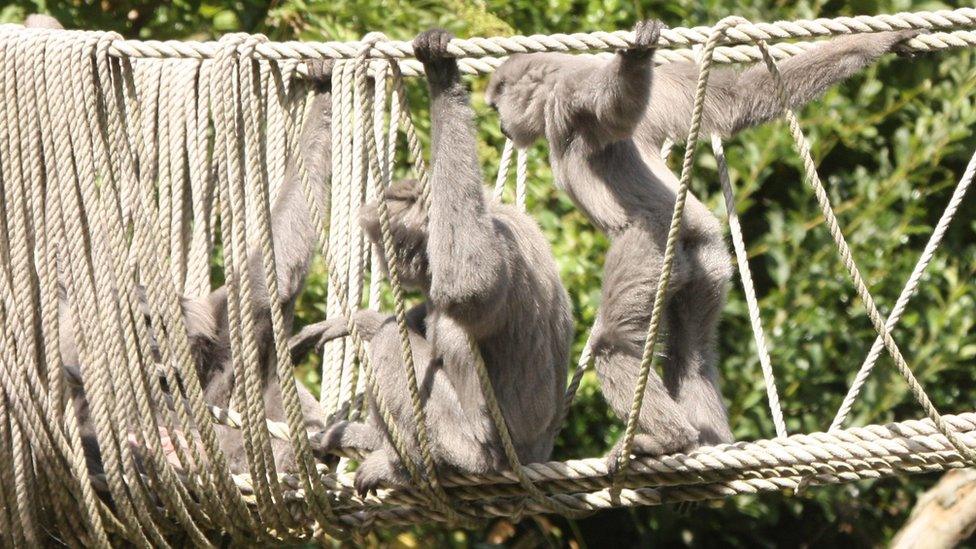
[(891, 144)]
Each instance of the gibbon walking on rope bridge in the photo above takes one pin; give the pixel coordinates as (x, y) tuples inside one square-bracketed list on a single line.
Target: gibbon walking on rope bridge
[(488, 274), (605, 122)]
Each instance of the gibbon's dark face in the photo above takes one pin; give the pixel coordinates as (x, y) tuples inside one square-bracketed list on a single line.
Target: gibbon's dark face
[(408, 223)]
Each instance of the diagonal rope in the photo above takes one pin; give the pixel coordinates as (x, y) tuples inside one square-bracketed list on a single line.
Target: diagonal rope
[(745, 274), (911, 286), (813, 179)]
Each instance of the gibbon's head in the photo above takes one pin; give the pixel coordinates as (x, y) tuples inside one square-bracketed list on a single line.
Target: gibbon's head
[(408, 224), (519, 90), (41, 21)]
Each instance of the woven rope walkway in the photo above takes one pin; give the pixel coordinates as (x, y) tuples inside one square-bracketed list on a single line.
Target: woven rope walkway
[(111, 190)]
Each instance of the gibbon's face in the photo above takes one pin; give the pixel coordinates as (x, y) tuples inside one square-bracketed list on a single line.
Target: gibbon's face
[(518, 90), (408, 224)]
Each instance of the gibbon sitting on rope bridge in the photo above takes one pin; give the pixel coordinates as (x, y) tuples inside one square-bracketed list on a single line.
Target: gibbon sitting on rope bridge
[(488, 274), (605, 124), (294, 237)]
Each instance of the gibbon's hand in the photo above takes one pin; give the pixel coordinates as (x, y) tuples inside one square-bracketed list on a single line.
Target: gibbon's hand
[(899, 42), (646, 36), (431, 45), (320, 71)]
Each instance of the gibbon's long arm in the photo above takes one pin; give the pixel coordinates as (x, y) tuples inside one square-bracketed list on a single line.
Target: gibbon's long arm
[(612, 98), (469, 275), (737, 100)]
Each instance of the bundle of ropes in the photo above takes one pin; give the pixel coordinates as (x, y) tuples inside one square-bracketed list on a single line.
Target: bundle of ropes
[(119, 160)]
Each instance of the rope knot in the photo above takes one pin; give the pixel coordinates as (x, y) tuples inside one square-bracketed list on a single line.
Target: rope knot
[(368, 42), (239, 44), (727, 27)]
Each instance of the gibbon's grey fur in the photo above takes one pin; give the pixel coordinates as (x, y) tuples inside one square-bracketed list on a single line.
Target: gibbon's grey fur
[(294, 237), (487, 272), (42, 21), (605, 124)]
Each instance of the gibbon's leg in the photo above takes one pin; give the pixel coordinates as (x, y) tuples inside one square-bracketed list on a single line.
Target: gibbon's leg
[(632, 270), (690, 371)]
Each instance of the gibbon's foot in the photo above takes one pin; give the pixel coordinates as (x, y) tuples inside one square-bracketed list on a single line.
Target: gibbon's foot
[(373, 472)]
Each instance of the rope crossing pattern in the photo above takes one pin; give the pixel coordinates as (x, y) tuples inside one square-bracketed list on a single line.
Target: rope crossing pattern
[(125, 165)]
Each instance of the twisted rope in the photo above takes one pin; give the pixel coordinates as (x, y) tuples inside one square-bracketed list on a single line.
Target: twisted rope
[(711, 472), (740, 32)]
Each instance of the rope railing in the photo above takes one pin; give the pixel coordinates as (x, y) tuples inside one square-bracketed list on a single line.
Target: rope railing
[(875, 451), (744, 32), (481, 55), (102, 124)]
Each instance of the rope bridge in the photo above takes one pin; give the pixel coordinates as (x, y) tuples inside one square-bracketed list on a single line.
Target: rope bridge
[(128, 166)]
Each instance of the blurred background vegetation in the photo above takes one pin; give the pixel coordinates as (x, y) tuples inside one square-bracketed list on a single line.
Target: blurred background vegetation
[(891, 142)]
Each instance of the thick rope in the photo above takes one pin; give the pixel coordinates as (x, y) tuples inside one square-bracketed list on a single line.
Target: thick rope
[(744, 467), (741, 32)]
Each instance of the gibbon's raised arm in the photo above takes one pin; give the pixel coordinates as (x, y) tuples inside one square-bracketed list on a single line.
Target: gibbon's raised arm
[(738, 99), (469, 275), (293, 229), (294, 233), (615, 94)]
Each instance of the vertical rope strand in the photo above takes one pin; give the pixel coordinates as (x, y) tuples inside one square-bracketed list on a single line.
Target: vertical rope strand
[(647, 358), (745, 274), (521, 178), (504, 165)]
